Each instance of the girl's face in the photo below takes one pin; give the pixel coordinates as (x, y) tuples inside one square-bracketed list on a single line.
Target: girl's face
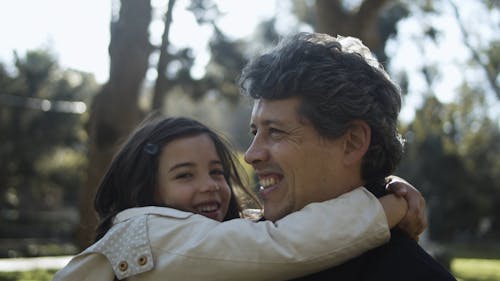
[(191, 177)]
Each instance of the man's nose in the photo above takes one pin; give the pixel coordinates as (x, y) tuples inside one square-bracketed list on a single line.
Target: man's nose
[(256, 152)]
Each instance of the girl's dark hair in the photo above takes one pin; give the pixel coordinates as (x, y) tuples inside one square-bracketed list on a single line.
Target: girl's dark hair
[(131, 179)]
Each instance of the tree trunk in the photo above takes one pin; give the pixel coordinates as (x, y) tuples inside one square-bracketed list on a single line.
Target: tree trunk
[(115, 110), (335, 20), (162, 83)]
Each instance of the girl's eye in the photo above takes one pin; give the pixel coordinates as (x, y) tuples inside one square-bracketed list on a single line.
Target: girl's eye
[(218, 172), (183, 176)]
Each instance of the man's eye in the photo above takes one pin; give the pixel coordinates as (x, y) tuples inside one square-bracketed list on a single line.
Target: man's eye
[(275, 132)]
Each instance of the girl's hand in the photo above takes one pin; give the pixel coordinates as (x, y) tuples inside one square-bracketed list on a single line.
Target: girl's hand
[(415, 220)]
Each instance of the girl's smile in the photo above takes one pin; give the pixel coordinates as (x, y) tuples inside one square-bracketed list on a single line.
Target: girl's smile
[(191, 177)]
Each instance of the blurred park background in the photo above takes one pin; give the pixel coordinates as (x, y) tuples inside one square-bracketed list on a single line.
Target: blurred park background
[(60, 121)]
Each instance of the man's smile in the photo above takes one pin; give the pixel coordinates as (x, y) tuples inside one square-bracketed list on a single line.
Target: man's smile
[(268, 183)]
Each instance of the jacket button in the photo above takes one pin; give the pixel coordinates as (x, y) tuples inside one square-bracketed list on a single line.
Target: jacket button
[(142, 260), (123, 266)]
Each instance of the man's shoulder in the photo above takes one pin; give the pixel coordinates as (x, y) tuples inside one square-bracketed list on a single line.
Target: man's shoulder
[(399, 259), (405, 259)]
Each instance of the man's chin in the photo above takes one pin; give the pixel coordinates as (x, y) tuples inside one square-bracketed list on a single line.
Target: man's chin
[(273, 214)]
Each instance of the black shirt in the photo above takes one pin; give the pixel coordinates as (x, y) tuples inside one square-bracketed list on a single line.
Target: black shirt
[(401, 259)]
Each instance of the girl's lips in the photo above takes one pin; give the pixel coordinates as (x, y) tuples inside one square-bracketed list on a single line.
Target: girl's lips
[(210, 210), (207, 207), (215, 215)]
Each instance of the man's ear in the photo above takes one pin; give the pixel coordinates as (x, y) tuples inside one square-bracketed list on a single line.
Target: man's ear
[(356, 142)]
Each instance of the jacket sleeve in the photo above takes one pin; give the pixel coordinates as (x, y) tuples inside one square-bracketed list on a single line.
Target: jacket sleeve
[(93, 267), (317, 237)]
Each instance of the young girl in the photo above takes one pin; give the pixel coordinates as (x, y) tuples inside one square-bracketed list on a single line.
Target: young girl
[(168, 211)]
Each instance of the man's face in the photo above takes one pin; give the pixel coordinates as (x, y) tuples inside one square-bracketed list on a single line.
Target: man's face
[(294, 164)]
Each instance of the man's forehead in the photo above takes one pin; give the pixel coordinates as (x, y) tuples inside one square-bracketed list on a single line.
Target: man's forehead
[(275, 111)]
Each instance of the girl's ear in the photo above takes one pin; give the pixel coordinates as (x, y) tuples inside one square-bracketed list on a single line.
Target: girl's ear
[(356, 142)]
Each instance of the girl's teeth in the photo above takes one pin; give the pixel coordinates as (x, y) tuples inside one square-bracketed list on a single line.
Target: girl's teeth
[(207, 208)]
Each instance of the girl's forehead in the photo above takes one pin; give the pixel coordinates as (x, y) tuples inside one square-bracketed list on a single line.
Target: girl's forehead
[(194, 149)]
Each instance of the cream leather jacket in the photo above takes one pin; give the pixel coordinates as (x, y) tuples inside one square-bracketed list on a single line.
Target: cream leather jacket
[(155, 243)]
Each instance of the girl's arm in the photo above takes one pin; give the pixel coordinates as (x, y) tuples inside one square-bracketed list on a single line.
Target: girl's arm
[(168, 244), (319, 236)]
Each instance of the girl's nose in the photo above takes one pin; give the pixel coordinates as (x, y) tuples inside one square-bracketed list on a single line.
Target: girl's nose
[(209, 185)]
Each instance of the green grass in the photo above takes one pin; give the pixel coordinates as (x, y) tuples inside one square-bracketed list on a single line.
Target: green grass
[(463, 269), (476, 269), (32, 275)]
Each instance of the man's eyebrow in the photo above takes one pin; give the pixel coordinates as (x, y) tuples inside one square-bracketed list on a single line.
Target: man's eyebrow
[(269, 122)]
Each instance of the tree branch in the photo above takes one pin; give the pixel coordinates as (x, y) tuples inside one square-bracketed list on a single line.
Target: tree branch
[(475, 55), (370, 10)]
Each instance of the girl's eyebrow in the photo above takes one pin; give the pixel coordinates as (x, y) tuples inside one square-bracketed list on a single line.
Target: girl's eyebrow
[(217, 162), (181, 165), (190, 164)]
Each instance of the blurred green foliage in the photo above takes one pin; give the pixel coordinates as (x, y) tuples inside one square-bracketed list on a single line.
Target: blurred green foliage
[(452, 157), (42, 147)]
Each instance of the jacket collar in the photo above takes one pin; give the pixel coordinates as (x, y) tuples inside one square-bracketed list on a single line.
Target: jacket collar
[(150, 210)]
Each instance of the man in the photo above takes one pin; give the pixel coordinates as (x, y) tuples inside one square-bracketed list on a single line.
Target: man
[(325, 122)]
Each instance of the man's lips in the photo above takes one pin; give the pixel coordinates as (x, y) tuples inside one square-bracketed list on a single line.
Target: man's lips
[(269, 182)]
